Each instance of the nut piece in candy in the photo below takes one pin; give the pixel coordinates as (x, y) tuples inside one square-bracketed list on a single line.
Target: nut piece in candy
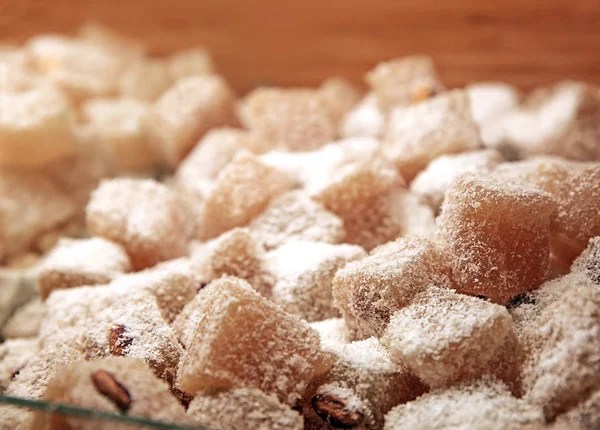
[(108, 386), (118, 340), (334, 410)]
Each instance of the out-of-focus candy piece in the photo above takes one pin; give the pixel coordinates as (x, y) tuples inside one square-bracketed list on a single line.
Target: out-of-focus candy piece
[(25, 322), (14, 354), (341, 96), (364, 120), (190, 62), (145, 79), (589, 261)]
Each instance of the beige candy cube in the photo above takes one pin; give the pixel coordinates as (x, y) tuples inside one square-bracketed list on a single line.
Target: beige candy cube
[(35, 127), (14, 355), (341, 96), (242, 190), (445, 337), (404, 81), (370, 290), (117, 127), (364, 120), (31, 205), (115, 385), (77, 262), (297, 119), (145, 79), (242, 409), (25, 322), (186, 111), (303, 273), (143, 216), (190, 62), (242, 340), (124, 47), (418, 134), (589, 261), (482, 404)]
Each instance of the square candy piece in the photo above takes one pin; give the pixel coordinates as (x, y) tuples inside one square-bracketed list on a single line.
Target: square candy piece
[(341, 96), (297, 119), (242, 190), (244, 341), (404, 81), (35, 127), (190, 62), (143, 216), (186, 111), (370, 290), (145, 79), (78, 262), (303, 273), (445, 337), (498, 235), (242, 409), (418, 134), (365, 119), (14, 355)]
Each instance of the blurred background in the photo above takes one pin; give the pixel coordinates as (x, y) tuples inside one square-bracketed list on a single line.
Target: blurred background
[(302, 42)]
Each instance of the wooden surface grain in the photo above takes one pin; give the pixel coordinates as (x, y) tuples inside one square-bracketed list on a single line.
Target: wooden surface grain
[(525, 42)]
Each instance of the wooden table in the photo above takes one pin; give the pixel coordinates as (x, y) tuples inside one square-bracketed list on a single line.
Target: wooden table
[(525, 42)]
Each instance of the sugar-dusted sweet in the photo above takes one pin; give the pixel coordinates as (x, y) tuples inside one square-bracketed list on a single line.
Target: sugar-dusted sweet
[(25, 322), (78, 262), (485, 403), (438, 176), (35, 127), (418, 134), (341, 96), (489, 100), (297, 119), (445, 337), (186, 111), (32, 205), (363, 375), (242, 409), (239, 253), (404, 81), (143, 216), (81, 69), (295, 216), (120, 45), (145, 79), (303, 273), (242, 340), (118, 385), (563, 363), (190, 62), (14, 355), (117, 126), (364, 120), (370, 290), (333, 332), (242, 190), (498, 236), (184, 324), (589, 261), (586, 415), (562, 120)]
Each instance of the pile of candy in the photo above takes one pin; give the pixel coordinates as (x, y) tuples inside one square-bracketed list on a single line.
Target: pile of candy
[(408, 258)]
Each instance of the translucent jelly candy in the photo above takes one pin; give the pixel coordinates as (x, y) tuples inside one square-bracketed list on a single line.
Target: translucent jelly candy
[(445, 337), (294, 216), (242, 409), (36, 129), (32, 205), (145, 79), (303, 273), (78, 262), (242, 340), (404, 81), (241, 191), (418, 134), (364, 383), (370, 290), (189, 62), (498, 236), (298, 119), (485, 403), (117, 127), (186, 111), (589, 261), (143, 216), (116, 384), (437, 177), (563, 348)]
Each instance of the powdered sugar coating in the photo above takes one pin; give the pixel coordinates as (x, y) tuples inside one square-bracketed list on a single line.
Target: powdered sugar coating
[(25, 322), (340, 95), (303, 273), (364, 120), (333, 333), (143, 216), (242, 340), (191, 61), (369, 291), (145, 79), (589, 261), (445, 337), (14, 355)]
